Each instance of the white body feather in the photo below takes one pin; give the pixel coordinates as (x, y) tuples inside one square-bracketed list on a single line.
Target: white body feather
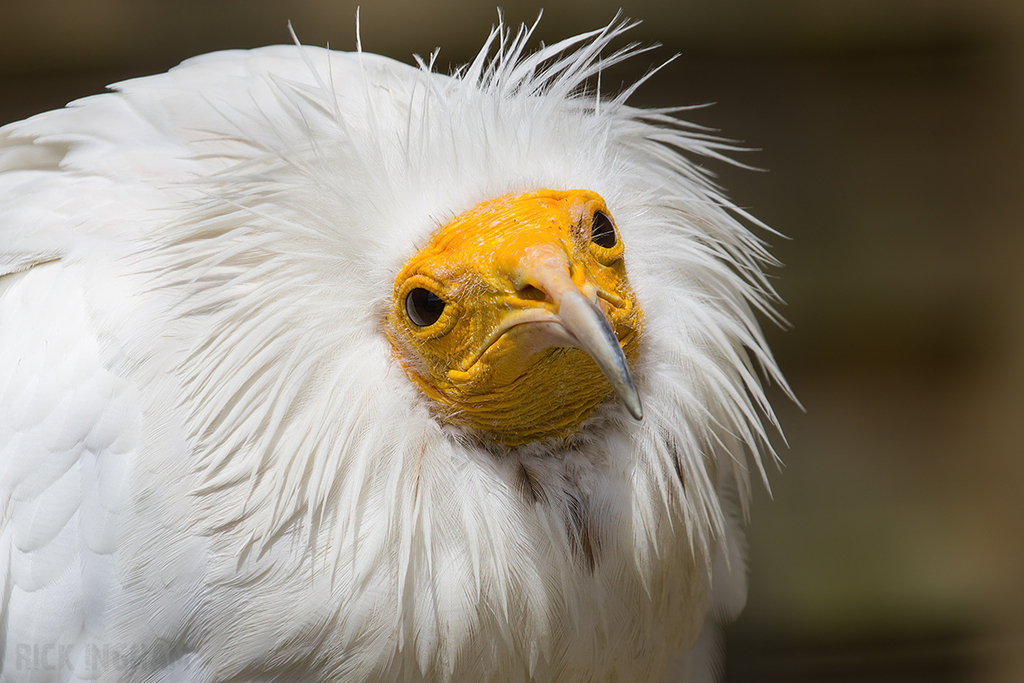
[(211, 466)]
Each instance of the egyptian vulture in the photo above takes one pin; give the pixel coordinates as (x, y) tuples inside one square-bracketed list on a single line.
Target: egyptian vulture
[(316, 366)]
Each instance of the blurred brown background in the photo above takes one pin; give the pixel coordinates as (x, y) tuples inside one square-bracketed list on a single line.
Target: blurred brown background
[(893, 137)]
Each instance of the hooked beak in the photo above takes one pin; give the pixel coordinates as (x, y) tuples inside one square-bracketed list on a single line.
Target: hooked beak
[(578, 320), (583, 319)]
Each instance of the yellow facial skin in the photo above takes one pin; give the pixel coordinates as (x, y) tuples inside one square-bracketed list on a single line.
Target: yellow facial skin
[(497, 357)]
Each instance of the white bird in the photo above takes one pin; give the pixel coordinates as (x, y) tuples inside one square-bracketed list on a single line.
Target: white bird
[(316, 366)]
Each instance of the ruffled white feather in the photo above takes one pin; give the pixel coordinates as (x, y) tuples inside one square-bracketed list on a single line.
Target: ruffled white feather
[(296, 510)]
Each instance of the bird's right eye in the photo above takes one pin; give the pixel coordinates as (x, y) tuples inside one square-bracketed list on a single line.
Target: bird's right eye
[(423, 307)]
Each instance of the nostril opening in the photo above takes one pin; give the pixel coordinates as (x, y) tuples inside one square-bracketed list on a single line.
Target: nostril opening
[(531, 293)]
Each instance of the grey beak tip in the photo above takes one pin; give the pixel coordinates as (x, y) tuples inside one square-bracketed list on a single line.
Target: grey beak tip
[(591, 330), (630, 397)]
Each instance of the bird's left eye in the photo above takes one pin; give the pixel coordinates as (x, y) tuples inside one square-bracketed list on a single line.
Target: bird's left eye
[(423, 307), (602, 232)]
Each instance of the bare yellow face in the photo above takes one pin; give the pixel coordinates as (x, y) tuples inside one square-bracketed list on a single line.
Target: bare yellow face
[(501, 317)]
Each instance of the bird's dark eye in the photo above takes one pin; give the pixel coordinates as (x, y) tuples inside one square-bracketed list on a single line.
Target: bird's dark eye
[(423, 307), (602, 232)]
